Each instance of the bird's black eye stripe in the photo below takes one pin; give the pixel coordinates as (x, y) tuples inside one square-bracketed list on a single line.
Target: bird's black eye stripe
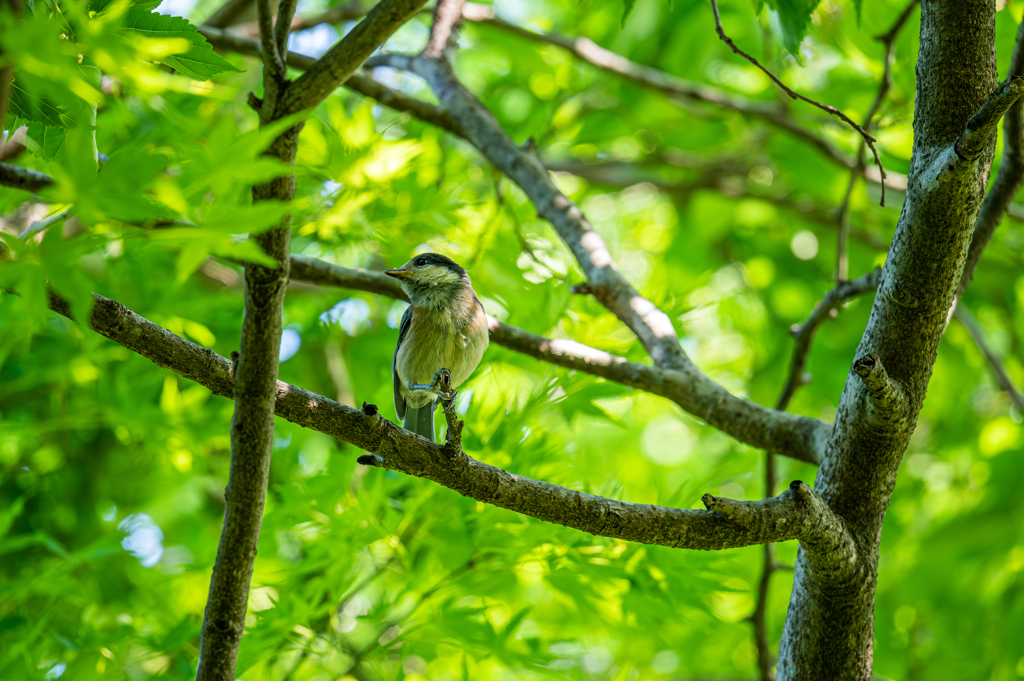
[(421, 262)]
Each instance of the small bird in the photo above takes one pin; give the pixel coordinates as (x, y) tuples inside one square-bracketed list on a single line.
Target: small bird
[(440, 341)]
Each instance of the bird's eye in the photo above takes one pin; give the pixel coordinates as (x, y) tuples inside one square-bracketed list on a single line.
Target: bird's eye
[(421, 262)]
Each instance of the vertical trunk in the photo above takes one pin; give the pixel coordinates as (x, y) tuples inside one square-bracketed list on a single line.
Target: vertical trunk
[(829, 626), (252, 425)]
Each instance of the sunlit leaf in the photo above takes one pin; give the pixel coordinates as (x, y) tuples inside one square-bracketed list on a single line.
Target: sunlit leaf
[(198, 62)]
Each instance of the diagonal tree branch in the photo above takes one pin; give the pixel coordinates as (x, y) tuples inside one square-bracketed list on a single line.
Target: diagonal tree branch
[(23, 178), (341, 61), (652, 326), (1002, 378), (797, 513), (282, 27), (655, 79), (272, 59)]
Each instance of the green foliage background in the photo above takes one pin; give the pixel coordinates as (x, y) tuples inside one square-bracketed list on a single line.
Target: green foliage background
[(112, 470)]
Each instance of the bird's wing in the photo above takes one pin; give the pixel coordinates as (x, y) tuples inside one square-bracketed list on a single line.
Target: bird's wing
[(402, 328)]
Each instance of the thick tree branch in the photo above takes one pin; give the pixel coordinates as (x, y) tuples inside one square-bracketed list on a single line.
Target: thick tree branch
[(797, 513), (254, 387), (790, 435), (341, 61), (23, 178), (1008, 180), (804, 333), (1002, 378)]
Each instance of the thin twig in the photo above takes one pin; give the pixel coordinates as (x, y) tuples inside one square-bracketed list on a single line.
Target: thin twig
[(758, 617), (842, 215), (1002, 378), (271, 54), (803, 333), (282, 27), (868, 139), (447, 16)]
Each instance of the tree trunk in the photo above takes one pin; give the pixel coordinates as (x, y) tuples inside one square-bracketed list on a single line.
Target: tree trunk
[(829, 627)]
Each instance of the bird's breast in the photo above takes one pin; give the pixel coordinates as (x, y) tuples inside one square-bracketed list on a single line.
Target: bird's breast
[(435, 341)]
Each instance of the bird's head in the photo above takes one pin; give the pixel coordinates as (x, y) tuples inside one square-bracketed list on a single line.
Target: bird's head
[(430, 277)]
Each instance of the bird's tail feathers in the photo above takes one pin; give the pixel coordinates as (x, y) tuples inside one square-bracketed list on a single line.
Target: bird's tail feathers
[(420, 420)]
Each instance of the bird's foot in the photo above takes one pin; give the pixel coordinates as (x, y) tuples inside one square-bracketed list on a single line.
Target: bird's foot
[(441, 385)]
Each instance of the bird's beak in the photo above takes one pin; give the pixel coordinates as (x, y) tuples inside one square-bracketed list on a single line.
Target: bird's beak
[(398, 274)]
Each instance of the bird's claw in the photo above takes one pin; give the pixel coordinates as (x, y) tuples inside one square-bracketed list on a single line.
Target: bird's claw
[(440, 385)]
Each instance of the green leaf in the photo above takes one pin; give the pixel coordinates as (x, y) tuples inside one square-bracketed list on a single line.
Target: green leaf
[(627, 9), (232, 219), (198, 62), (794, 17), (44, 140), (100, 5), (38, 109)]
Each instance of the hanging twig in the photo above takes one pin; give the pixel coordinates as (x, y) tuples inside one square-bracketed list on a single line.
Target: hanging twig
[(842, 215), (868, 139)]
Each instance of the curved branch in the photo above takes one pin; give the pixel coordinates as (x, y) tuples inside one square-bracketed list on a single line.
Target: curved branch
[(797, 513)]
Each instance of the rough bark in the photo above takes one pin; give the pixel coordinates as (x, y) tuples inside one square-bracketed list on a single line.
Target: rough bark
[(829, 626)]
